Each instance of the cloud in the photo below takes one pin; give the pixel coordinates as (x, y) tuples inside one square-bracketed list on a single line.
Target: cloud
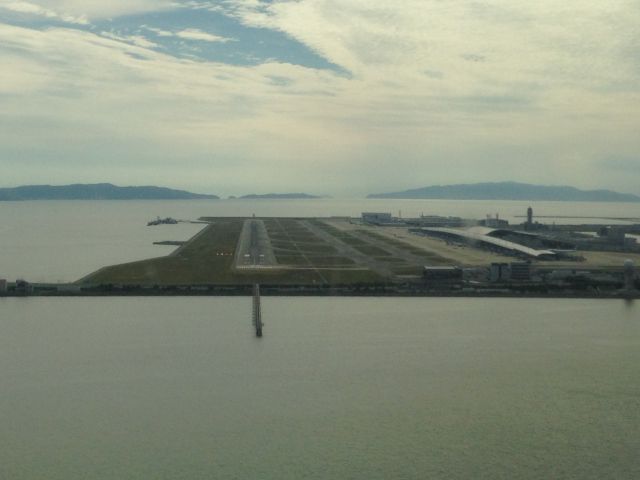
[(137, 40), (159, 31), (544, 104), (33, 9), (195, 34), (90, 99), (190, 34), (435, 74), (472, 57), (81, 11), (585, 42)]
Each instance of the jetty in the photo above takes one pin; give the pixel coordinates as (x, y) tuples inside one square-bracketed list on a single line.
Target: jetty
[(162, 221), (257, 313)]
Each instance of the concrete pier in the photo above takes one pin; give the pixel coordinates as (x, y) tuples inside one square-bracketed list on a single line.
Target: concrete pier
[(257, 313)]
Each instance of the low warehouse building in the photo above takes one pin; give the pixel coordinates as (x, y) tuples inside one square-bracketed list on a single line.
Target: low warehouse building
[(377, 218), (442, 275)]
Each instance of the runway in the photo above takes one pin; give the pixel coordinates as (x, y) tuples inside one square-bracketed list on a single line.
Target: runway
[(254, 249)]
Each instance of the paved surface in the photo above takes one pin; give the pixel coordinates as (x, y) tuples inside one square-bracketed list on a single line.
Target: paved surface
[(458, 255), (348, 251), (254, 249)]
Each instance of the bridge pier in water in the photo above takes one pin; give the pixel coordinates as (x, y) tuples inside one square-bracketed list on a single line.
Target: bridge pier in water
[(257, 313)]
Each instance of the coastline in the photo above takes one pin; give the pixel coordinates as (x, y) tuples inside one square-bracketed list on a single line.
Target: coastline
[(381, 290)]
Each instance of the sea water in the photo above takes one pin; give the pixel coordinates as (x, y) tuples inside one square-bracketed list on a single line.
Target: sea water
[(349, 388)]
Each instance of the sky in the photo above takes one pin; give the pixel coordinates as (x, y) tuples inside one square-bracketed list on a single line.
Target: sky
[(336, 97)]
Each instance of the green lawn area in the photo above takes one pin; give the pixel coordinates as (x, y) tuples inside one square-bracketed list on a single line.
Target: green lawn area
[(208, 258)]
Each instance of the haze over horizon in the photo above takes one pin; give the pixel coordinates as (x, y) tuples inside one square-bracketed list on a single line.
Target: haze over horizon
[(346, 99)]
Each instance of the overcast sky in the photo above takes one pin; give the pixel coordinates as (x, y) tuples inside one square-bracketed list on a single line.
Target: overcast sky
[(339, 97)]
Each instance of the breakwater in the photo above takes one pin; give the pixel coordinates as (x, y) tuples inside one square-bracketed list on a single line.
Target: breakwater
[(350, 290)]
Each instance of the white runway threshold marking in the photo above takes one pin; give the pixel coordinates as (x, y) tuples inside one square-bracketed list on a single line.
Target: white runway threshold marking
[(254, 249)]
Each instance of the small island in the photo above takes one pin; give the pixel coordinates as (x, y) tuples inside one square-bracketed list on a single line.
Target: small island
[(97, 191), (280, 196), (509, 191)]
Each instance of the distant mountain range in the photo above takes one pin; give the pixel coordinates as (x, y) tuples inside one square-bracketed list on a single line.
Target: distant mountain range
[(98, 191), (510, 191), (282, 196)]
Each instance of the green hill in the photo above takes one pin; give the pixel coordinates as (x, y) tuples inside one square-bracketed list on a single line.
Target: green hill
[(510, 191), (98, 191)]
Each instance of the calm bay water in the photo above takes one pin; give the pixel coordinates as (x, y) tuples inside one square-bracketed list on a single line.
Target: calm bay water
[(345, 388), (168, 388)]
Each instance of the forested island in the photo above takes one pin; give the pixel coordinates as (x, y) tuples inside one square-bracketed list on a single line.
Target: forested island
[(97, 191), (510, 191)]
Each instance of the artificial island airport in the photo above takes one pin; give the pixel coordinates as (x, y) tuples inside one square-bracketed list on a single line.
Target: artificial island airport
[(377, 254)]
